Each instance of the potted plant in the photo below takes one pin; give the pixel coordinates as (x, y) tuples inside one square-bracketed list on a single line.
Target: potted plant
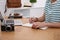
[(33, 1)]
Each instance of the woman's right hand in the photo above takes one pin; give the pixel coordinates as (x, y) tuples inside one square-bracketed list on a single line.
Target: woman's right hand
[(31, 20)]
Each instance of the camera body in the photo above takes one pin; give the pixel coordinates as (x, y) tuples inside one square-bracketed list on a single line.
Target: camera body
[(7, 25)]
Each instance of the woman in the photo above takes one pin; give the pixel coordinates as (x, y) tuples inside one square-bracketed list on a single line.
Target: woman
[(51, 16)]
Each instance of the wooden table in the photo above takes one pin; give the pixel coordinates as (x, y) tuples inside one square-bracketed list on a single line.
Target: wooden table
[(25, 33)]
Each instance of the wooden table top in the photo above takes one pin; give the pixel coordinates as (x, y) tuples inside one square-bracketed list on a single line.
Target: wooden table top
[(25, 33)]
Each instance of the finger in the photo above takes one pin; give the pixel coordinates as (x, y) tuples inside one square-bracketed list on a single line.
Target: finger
[(34, 26), (37, 27), (31, 20)]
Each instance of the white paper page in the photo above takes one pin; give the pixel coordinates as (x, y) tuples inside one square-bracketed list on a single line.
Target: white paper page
[(27, 25)]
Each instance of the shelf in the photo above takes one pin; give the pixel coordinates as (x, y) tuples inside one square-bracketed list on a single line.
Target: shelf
[(21, 8)]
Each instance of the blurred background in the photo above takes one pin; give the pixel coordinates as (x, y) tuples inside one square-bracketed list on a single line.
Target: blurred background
[(36, 9)]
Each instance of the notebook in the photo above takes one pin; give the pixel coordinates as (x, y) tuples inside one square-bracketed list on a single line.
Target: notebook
[(18, 22)]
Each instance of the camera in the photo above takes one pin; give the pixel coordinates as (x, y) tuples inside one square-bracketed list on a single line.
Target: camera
[(7, 25)]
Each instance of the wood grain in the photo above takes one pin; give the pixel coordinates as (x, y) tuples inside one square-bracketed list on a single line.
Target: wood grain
[(25, 33)]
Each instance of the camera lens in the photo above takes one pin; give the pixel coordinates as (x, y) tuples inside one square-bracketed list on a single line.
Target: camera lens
[(8, 28)]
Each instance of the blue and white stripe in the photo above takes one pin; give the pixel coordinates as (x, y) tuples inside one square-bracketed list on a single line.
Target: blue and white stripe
[(52, 11)]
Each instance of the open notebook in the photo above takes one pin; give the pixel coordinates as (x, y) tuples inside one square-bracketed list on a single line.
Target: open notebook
[(19, 22)]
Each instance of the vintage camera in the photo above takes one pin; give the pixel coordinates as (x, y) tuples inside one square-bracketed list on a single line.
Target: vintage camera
[(7, 25)]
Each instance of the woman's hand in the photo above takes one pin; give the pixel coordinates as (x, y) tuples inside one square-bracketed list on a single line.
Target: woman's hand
[(32, 20), (38, 25)]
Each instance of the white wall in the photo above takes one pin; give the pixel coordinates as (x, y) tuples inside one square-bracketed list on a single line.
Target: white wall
[(36, 12), (38, 5)]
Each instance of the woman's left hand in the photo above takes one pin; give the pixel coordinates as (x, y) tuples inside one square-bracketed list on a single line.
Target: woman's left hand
[(38, 25)]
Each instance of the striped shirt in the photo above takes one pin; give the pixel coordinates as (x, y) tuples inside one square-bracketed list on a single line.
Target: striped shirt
[(52, 11)]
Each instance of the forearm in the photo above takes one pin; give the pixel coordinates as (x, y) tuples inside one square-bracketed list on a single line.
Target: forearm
[(52, 24), (42, 18)]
